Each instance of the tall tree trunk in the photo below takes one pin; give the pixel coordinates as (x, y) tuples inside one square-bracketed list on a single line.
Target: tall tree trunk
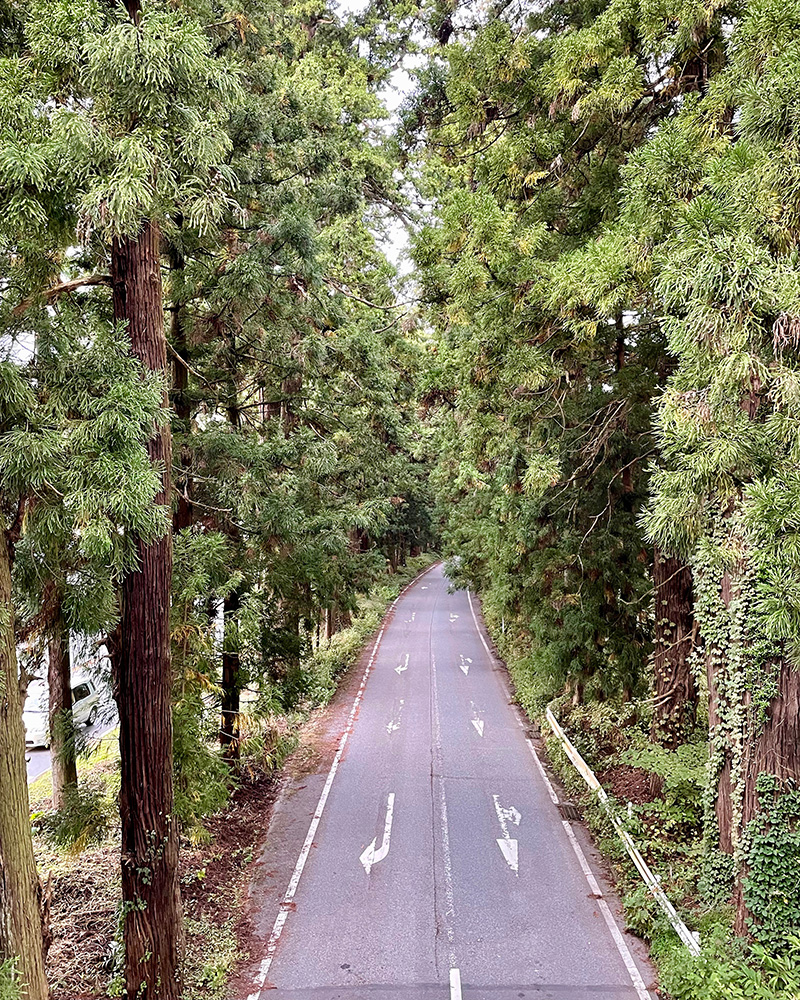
[(772, 746), (21, 932), (62, 737), (675, 702), (143, 676), (748, 737), (229, 733), (181, 404)]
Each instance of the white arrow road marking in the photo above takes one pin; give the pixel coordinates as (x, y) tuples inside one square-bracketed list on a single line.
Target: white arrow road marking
[(477, 721), (423, 588), (510, 853), (394, 723), (453, 617), (370, 856), (411, 619), (465, 663), (507, 844), (402, 666)]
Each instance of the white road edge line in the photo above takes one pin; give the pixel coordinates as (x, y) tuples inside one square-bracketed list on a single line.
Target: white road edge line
[(545, 779), (455, 984), (477, 626), (286, 904), (608, 916)]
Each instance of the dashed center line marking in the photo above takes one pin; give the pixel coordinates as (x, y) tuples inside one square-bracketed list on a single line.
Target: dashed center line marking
[(444, 830), (455, 984)]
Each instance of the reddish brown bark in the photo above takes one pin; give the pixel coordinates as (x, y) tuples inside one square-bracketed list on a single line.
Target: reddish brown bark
[(229, 734), (62, 742), (143, 676), (723, 805), (181, 404), (770, 745), (675, 690)]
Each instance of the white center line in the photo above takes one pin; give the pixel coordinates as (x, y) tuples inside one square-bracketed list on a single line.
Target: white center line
[(447, 861)]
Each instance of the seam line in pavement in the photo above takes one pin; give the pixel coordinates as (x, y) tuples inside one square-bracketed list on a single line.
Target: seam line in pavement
[(285, 906)]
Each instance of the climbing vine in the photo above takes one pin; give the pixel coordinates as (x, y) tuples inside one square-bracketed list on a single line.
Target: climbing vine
[(772, 885)]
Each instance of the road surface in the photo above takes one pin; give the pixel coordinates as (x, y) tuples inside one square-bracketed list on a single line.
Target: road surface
[(39, 760), (428, 858)]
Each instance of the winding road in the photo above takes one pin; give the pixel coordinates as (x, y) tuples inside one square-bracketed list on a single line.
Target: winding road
[(425, 855)]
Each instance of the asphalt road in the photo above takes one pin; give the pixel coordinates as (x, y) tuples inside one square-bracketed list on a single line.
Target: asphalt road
[(39, 760), (428, 858)]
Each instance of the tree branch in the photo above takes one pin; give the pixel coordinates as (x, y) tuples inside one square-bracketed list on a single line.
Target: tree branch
[(65, 287)]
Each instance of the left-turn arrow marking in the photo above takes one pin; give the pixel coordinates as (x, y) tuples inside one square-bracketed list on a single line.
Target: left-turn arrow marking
[(370, 855)]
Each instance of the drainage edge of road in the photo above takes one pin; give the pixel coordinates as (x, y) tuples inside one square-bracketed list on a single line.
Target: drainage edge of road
[(689, 938)]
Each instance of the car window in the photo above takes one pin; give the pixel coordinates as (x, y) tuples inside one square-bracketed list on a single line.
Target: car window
[(80, 692)]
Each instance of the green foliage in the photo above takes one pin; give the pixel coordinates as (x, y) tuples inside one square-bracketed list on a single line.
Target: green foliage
[(719, 974), (10, 987), (771, 886), (84, 820), (643, 916), (717, 879), (684, 774)]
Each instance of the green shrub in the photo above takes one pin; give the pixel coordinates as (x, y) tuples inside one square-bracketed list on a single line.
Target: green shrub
[(266, 742), (202, 778), (643, 916), (722, 972), (9, 981), (85, 819)]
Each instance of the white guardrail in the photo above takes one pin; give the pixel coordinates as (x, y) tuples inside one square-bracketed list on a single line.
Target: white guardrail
[(690, 938)]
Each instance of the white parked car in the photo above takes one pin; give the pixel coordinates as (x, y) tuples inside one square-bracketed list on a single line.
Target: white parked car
[(85, 698)]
